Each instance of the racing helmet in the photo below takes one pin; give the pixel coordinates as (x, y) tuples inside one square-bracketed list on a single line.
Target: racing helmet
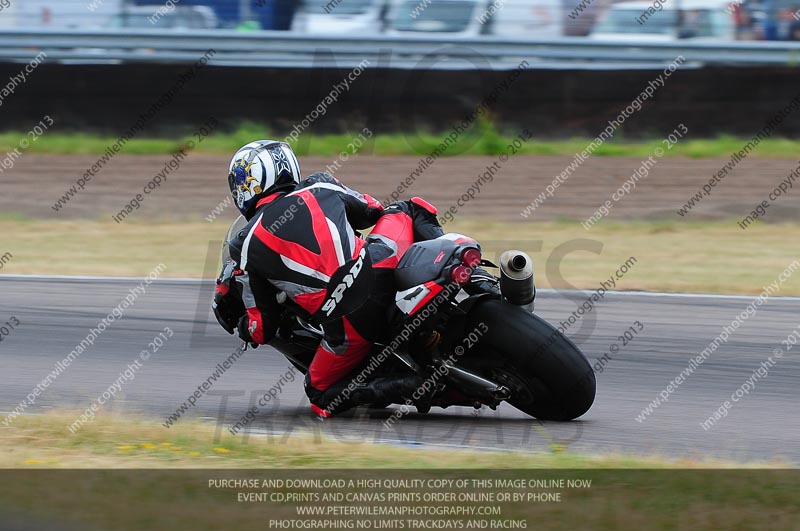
[(260, 168)]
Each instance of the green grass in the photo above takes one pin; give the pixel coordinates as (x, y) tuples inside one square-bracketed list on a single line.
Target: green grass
[(143, 491), (129, 441), (484, 139)]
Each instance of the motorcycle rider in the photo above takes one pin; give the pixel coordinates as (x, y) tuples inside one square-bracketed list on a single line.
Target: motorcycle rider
[(300, 241)]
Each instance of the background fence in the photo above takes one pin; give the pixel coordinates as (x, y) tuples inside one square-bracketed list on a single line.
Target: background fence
[(273, 61), (549, 102), (281, 49)]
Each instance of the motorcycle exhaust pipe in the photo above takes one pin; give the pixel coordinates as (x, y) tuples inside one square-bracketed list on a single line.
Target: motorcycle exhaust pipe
[(516, 279)]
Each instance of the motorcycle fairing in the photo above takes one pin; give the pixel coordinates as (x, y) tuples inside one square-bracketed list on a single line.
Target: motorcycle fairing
[(423, 261), (413, 299)]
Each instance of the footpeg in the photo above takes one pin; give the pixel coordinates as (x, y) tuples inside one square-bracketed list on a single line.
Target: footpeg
[(502, 393), (479, 384)]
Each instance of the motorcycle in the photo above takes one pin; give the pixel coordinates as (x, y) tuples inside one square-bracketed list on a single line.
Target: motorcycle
[(473, 346)]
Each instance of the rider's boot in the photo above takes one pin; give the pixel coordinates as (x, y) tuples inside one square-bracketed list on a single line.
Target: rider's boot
[(382, 390), (423, 218), (395, 390), (426, 225)]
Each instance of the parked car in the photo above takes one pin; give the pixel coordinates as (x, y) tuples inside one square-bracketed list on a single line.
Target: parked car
[(534, 19), (677, 19), (180, 17), (438, 17), (355, 17)]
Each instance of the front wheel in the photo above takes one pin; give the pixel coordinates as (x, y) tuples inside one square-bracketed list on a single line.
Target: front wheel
[(548, 375)]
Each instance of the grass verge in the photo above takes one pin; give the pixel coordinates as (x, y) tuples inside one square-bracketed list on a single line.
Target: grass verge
[(703, 257), (43, 441), (165, 479), (484, 140)]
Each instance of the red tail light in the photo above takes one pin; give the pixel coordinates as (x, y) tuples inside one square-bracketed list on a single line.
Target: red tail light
[(471, 258), (460, 274)]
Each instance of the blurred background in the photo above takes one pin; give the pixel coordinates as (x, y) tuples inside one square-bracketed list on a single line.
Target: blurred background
[(426, 62), (721, 20)]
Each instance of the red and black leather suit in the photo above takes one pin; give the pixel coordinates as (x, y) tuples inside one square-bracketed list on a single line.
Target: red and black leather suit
[(302, 242)]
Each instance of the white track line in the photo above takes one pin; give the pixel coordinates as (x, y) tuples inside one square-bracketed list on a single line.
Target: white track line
[(69, 278), (79, 278), (662, 294), (260, 432)]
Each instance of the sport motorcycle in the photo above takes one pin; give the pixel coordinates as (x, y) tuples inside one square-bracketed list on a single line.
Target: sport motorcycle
[(472, 337)]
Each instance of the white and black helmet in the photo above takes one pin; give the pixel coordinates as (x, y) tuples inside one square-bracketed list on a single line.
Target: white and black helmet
[(257, 168)]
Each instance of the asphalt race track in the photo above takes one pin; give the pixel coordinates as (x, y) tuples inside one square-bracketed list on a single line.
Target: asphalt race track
[(56, 314)]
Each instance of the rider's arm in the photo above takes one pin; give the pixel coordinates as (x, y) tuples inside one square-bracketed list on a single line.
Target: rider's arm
[(227, 303), (260, 321), (362, 210), (260, 324)]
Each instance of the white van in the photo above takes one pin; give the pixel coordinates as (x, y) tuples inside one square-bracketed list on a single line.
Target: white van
[(355, 17), (177, 18), (641, 21), (534, 19), (451, 18)]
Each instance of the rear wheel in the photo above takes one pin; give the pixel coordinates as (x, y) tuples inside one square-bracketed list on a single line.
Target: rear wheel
[(548, 375)]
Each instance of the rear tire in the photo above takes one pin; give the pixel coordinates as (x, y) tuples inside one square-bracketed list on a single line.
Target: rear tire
[(549, 376)]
